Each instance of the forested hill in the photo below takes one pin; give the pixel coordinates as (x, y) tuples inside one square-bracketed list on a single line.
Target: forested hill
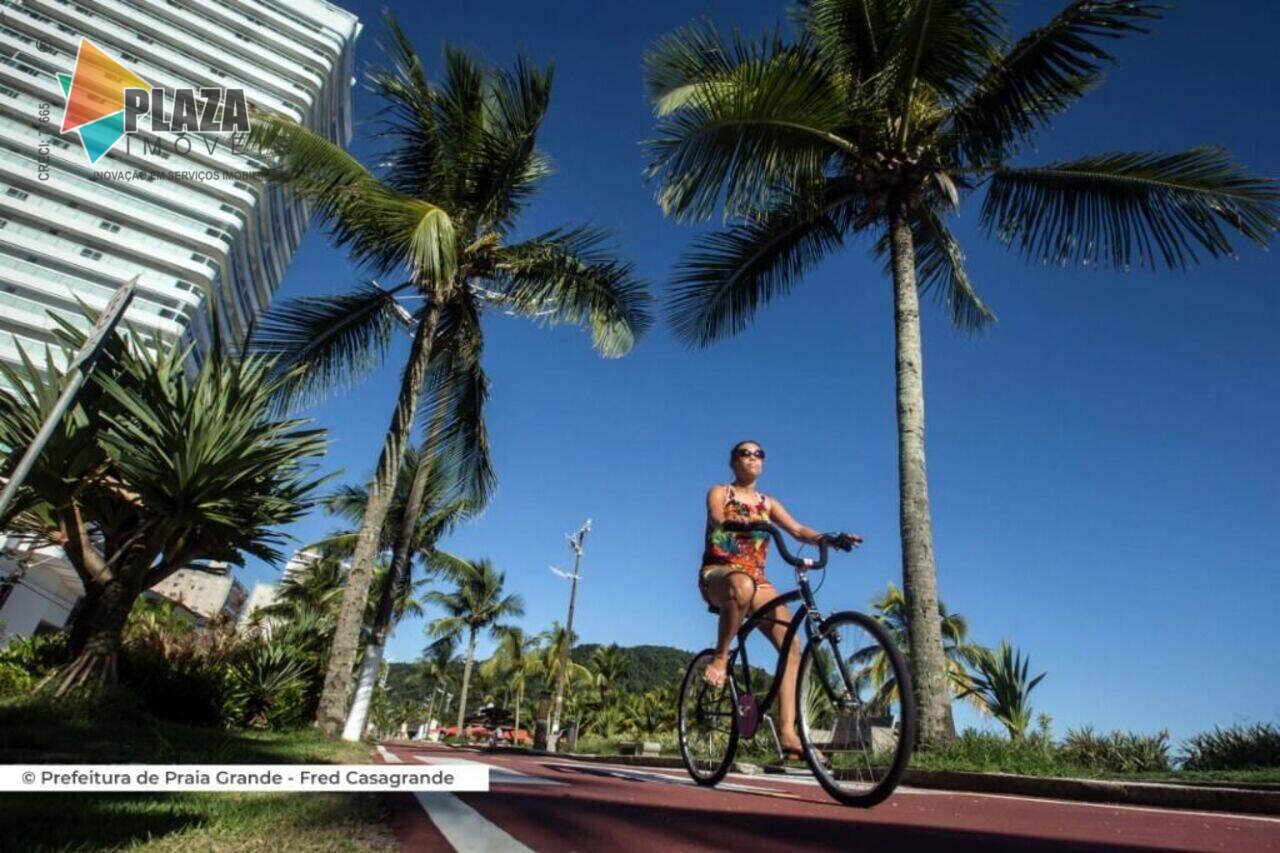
[(651, 666)]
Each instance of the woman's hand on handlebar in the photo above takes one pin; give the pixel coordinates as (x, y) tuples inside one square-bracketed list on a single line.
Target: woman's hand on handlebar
[(842, 541)]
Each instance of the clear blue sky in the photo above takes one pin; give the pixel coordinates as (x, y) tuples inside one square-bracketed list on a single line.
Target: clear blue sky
[(1102, 463)]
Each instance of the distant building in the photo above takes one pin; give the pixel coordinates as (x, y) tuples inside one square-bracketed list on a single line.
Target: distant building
[(38, 590), (204, 594), (261, 597)]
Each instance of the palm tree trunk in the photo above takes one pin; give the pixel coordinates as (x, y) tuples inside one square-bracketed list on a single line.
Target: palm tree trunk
[(94, 643), (919, 574), (399, 568), (519, 698), (466, 680), (332, 711)]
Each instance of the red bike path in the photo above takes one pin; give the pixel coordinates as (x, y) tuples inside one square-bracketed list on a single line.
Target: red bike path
[(550, 804)]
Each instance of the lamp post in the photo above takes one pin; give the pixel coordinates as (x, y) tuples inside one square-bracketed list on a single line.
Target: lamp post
[(575, 544)]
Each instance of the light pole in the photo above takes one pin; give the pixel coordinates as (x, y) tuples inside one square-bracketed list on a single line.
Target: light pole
[(575, 543)]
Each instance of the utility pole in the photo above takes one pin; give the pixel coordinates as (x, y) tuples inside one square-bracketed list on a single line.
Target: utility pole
[(575, 543)]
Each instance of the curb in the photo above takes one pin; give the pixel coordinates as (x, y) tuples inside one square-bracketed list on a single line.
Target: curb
[(1162, 795), (1202, 796)]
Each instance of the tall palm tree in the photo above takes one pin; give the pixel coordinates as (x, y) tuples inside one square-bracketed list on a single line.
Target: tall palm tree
[(552, 651), (154, 470), (875, 119), (961, 654), (476, 603), (439, 215), (513, 661)]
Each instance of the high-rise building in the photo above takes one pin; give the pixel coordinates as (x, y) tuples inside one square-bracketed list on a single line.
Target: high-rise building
[(177, 210), (206, 595)]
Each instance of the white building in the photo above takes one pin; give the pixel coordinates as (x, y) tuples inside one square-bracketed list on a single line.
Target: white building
[(206, 595), (72, 230)]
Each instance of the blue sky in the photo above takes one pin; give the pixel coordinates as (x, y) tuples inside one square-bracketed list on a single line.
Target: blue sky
[(1102, 462)]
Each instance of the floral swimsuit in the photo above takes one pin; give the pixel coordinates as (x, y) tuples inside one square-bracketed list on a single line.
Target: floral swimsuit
[(745, 552)]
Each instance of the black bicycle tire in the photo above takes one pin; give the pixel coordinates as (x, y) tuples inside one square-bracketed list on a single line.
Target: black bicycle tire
[(730, 752), (906, 737)]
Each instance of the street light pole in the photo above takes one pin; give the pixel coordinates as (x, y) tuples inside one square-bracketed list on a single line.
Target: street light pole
[(575, 543)]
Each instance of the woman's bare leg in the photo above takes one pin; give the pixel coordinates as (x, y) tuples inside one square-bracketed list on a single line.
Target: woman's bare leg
[(776, 631), (732, 593)]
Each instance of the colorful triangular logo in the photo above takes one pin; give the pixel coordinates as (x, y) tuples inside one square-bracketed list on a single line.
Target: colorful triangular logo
[(95, 99)]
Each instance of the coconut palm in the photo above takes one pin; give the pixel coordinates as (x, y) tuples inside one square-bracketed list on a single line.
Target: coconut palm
[(152, 471), (438, 215), (891, 612), (551, 652), (513, 662), (475, 604), (876, 119)]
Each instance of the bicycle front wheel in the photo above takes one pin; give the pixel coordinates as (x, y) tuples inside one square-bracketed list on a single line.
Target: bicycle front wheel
[(707, 722), (856, 709)]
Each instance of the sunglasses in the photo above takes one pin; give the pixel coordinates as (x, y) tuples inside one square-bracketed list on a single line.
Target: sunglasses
[(744, 453)]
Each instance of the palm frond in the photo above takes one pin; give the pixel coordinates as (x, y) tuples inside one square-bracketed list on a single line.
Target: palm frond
[(509, 167), (850, 34), (940, 268), (413, 166), (565, 276), (729, 275), (1130, 208), (744, 118), (1040, 76), (329, 342), (381, 227)]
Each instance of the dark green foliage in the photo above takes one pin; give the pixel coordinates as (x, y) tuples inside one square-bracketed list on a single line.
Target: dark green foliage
[(1122, 752), (36, 655), (1237, 747), (651, 667)]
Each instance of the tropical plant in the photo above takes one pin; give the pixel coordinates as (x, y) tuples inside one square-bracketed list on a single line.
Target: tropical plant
[(153, 470), (876, 119), (549, 655), (461, 167), (1001, 683), (267, 689), (891, 612), (1118, 752), (612, 666), (513, 662), (1237, 747), (476, 603)]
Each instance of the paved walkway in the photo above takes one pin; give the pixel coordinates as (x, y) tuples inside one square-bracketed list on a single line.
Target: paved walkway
[(550, 804)]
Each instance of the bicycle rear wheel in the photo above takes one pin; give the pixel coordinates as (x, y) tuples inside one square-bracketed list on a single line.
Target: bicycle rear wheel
[(707, 723), (855, 705)]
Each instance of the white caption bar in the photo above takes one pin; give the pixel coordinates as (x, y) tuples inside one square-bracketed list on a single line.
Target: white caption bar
[(243, 777)]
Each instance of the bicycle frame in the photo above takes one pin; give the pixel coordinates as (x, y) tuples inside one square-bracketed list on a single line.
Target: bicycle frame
[(809, 616)]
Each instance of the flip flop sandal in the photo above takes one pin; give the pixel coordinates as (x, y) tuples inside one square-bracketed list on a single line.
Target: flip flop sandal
[(798, 754)]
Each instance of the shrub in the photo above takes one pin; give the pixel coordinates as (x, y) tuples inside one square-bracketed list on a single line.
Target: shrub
[(268, 689), (14, 680), (37, 655), (1122, 752), (184, 689), (1235, 748), (988, 752)]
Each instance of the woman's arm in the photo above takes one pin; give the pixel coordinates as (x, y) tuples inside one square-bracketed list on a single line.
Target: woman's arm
[(715, 505), (778, 513)]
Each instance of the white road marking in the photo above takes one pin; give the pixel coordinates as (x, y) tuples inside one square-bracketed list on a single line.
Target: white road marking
[(464, 827), (389, 756), (497, 774)]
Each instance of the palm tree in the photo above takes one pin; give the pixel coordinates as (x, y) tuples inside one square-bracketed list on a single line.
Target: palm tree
[(612, 666), (875, 120), (891, 612), (513, 661), (475, 603), (1003, 687), (439, 215), (153, 471)]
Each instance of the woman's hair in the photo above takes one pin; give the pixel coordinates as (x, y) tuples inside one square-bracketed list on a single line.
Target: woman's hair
[(733, 451)]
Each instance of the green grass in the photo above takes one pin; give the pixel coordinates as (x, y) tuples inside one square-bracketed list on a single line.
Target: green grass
[(115, 730)]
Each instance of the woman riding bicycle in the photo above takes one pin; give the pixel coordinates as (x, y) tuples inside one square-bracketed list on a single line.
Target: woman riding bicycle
[(732, 576)]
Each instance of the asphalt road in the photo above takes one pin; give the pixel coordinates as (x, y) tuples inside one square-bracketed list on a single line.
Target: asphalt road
[(550, 804)]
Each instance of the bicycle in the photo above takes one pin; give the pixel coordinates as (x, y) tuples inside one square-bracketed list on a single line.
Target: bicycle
[(854, 702)]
